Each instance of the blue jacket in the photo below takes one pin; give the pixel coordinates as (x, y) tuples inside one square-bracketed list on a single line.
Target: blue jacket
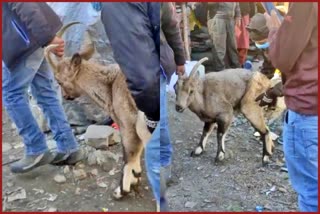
[(25, 28), (133, 30)]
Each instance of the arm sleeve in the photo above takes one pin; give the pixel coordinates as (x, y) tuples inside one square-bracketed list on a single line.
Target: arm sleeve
[(135, 51), (39, 19), (172, 32), (284, 49)]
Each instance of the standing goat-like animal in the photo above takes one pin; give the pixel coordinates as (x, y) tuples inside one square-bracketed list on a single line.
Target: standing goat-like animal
[(107, 87), (216, 97)]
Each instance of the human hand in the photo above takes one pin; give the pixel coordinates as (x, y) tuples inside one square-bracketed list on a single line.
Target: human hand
[(272, 21), (269, 98), (180, 70), (238, 22), (59, 50)]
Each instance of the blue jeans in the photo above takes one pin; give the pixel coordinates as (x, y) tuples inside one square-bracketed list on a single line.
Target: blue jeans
[(300, 137), (165, 145), (34, 72), (158, 150)]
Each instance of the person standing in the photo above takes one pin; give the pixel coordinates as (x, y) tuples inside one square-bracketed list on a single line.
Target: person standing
[(242, 35), (133, 31), (221, 26), (293, 48), (25, 33), (172, 59)]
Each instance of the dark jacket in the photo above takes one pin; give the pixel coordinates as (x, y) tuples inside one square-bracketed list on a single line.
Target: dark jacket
[(171, 45), (294, 51), (132, 30), (25, 28)]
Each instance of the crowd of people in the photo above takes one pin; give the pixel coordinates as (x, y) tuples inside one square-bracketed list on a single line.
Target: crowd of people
[(147, 44)]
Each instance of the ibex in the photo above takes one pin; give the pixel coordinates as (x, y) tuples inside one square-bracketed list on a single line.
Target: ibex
[(107, 87), (216, 97)]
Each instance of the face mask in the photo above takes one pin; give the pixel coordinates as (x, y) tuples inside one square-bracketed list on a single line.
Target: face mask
[(263, 46)]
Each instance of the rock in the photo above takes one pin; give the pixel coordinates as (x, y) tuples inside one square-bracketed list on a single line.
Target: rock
[(101, 144), (80, 130), (200, 167), (102, 185), (52, 197), (51, 144), (6, 147), (19, 145), (98, 132), (37, 191), (110, 155), (190, 204), (18, 194), (257, 134), (116, 138), (81, 137), (146, 188), (267, 207), (94, 172), (52, 209), (60, 179), (112, 172), (178, 141), (92, 160), (79, 174), (10, 184), (283, 190), (80, 165), (77, 192), (66, 170)]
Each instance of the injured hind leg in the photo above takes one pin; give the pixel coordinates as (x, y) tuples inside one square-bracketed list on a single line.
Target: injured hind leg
[(131, 173), (254, 114)]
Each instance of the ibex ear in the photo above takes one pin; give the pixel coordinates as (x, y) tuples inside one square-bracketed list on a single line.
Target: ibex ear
[(76, 59)]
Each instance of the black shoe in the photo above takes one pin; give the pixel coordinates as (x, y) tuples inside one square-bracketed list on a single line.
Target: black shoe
[(68, 159), (30, 162)]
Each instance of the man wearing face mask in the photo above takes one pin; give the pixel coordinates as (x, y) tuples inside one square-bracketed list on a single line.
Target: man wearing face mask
[(258, 32)]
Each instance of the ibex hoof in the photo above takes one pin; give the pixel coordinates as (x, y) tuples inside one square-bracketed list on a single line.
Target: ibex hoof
[(198, 151), (118, 194), (136, 174), (265, 160)]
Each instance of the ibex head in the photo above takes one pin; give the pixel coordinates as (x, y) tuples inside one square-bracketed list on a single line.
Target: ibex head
[(186, 86), (66, 69)]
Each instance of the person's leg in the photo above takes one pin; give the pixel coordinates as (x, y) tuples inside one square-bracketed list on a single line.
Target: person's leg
[(300, 137), (165, 144), (217, 31), (152, 161), (15, 99), (231, 44), (44, 91)]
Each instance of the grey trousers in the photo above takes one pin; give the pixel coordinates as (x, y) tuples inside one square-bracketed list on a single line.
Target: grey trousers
[(223, 37)]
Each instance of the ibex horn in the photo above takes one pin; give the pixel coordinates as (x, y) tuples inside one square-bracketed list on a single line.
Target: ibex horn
[(196, 66), (48, 49), (65, 27)]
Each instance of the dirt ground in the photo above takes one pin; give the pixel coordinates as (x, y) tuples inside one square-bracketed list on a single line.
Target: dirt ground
[(239, 183), (40, 192)]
